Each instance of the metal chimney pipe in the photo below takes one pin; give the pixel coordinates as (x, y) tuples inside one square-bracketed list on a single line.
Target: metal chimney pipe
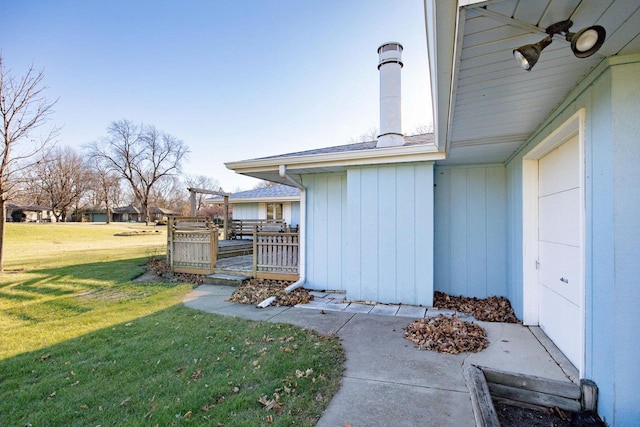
[(390, 65)]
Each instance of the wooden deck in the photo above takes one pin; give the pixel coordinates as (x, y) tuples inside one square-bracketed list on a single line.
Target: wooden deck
[(234, 248)]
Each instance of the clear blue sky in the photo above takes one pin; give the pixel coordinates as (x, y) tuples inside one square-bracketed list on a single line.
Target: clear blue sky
[(235, 79)]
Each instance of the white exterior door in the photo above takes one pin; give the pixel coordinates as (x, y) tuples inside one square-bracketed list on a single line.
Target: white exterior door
[(560, 241)]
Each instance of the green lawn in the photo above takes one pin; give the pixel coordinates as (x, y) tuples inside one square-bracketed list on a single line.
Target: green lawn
[(81, 344)]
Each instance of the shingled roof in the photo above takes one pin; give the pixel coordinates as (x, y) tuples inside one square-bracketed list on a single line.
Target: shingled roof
[(422, 139), (273, 192)]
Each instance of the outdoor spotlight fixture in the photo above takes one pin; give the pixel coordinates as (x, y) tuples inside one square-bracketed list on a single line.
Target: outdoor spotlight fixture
[(584, 43)]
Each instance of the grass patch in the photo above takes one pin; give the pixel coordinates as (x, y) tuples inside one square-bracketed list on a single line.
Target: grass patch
[(81, 344)]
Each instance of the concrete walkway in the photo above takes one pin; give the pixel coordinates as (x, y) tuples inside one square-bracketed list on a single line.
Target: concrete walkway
[(387, 381)]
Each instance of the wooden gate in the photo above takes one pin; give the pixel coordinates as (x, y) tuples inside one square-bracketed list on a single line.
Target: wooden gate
[(276, 255), (192, 245)]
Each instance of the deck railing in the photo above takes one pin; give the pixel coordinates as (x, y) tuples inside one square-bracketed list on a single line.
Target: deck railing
[(192, 245), (276, 255)]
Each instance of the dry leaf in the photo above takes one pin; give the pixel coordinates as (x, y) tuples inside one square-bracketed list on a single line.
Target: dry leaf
[(125, 402), (446, 335), (255, 291)]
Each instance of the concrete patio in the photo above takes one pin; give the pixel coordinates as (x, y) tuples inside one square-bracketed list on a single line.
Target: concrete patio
[(387, 380)]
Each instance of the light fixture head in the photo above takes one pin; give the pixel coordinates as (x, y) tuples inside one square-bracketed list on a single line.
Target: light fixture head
[(587, 41), (526, 56), (584, 43)]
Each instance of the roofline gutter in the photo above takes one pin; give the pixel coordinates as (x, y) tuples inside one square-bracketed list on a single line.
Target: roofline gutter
[(256, 200), (302, 240), (347, 158)]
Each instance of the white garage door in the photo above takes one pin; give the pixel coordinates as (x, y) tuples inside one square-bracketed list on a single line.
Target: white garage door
[(561, 283)]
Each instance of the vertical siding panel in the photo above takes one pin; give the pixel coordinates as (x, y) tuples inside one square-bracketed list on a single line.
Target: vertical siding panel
[(424, 233), (309, 182), (600, 223), (369, 237), (354, 235), (405, 234), (458, 231), (387, 220), (344, 230), (321, 240), (442, 230), (514, 239), (496, 231), (334, 231), (476, 233)]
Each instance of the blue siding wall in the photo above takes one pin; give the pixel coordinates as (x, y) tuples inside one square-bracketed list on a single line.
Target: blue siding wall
[(245, 211), (612, 296), (390, 234), (295, 214), (471, 230), (326, 221)]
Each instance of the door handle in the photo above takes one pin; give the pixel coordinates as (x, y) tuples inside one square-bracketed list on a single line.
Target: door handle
[(562, 279)]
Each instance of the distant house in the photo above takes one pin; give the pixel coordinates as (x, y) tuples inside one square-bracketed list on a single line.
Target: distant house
[(528, 188), (129, 213), (29, 213), (274, 202)]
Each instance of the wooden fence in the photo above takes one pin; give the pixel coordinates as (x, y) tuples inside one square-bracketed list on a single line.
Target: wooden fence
[(192, 245), (276, 255)]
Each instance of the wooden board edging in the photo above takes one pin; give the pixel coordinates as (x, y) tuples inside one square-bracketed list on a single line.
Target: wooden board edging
[(534, 397), (532, 383), (481, 402), (485, 384)]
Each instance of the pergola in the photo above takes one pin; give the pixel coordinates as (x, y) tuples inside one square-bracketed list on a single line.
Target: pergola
[(192, 199)]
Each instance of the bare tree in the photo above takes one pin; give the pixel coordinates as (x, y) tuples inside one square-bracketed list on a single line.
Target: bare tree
[(264, 184), (369, 135), (141, 155), (202, 182), (24, 110), (62, 176), (169, 192), (422, 129), (104, 185)]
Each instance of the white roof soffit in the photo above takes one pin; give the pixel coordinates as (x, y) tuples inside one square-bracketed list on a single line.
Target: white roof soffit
[(486, 106)]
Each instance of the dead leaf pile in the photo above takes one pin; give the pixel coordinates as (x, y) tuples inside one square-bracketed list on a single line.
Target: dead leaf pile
[(255, 291), (492, 309), (446, 335), (159, 267)]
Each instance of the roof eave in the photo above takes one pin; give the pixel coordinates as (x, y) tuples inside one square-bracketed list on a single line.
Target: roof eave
[(442, 19), (258, 200), (342, 159)]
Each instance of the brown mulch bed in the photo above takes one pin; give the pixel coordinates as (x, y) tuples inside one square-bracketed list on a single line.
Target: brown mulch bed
[(492, 309), (254, 291), (515, 416), (446, 335)]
